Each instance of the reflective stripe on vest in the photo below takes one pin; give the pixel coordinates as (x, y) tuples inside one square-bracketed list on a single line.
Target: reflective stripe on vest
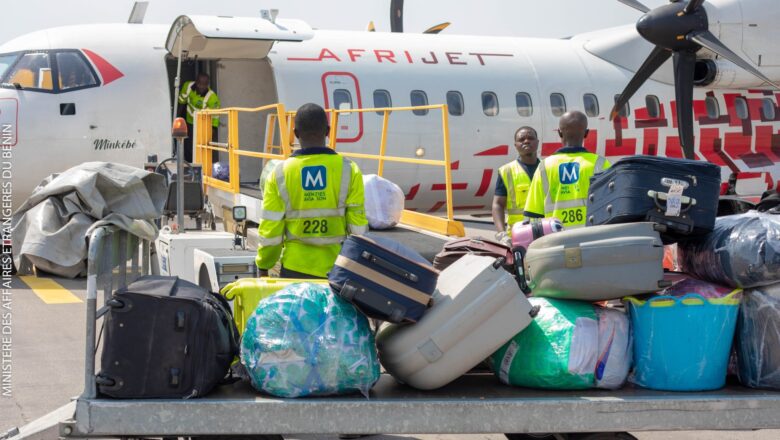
[(549, 205)]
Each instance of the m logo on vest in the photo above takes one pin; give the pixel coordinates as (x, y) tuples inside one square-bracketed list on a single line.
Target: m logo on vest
[(314, 178), (569, 173)]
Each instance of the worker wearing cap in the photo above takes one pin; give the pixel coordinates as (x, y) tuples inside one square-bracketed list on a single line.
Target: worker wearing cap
[(561, 183), (311, 202), (514, 180), (194, 96)]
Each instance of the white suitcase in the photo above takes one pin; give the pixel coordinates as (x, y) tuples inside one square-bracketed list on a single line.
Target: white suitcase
[(477, 307)]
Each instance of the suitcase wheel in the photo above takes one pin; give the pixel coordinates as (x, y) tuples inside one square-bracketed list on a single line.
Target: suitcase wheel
[(663, 284), (659, 227), (534, 311), (104, 381), (396, 317), (348, 292), (499, 262)]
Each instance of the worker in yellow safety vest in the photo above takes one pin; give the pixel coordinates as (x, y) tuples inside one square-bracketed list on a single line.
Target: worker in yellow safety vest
[(561, 183), (514, 180), (197, 95), (311, 202)]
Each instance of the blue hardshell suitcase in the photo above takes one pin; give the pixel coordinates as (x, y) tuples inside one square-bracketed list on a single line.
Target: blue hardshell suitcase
[(640, 188), (384, 279)]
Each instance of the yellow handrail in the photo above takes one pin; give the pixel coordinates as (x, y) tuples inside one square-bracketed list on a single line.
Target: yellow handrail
[(285, 121)]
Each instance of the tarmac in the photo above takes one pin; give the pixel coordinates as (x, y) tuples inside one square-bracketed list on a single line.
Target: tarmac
[(48, 357)]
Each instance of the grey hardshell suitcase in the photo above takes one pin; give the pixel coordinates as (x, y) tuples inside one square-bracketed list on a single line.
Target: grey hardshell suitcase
[(597, 263), (477, 307)]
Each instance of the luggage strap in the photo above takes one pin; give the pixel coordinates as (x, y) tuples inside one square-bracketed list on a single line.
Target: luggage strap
[(383, 280)]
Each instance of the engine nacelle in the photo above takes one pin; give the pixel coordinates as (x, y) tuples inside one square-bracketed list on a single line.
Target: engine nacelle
[(723, 74)]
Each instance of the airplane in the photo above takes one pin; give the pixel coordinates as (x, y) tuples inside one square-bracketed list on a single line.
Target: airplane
[(113, 97)]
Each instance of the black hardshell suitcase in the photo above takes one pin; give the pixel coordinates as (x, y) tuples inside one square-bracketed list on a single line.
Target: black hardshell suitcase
[(637, 189), (165, 338), (384, 279)]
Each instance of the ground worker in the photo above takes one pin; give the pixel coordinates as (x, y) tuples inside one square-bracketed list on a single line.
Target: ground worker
[(311, 202), (197, 95), (560, 186), (514, 180)]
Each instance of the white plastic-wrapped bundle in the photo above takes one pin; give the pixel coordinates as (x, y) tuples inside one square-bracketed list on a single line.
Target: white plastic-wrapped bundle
[(384, 202), (615, 349)]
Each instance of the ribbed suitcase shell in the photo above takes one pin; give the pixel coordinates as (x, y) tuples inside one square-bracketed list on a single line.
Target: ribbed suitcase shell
[(477, 308), (620, 194), (597, 263)]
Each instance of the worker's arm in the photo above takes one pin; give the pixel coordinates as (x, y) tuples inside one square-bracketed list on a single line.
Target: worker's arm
[(499, 213), (534, 204), (182, 99), (357, 223), (271, 226), (214, 102)]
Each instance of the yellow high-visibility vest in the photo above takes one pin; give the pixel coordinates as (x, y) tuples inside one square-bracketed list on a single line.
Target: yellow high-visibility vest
[(517, 183), (195, 102)]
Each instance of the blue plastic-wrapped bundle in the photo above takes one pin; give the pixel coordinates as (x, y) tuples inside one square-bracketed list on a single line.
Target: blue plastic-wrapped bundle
[(306, 341), (742, 251)]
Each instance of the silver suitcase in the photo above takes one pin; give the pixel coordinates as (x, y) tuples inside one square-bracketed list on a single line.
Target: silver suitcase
[(597, 263), (477, 307)]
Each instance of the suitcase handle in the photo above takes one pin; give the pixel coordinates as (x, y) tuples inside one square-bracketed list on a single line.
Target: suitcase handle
[(352, 291), (658, 196), (520, 270), (384, 264)]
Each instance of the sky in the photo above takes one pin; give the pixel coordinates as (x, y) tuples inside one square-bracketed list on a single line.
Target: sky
[(526, 18)]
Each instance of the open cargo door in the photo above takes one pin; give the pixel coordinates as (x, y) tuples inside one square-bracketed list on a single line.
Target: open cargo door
[(220, 37)]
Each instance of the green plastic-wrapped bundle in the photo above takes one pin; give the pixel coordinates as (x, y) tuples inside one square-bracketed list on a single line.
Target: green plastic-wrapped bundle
[(557, 351), (306, 341)]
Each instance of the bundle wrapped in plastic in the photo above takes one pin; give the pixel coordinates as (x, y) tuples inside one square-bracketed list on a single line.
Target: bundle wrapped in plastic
[(221, 171), (384, 202), (742, 251), (570, 345), (758, 338), (306, 341)]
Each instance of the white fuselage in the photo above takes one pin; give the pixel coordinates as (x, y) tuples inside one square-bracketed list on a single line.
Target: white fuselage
[(129, 118)]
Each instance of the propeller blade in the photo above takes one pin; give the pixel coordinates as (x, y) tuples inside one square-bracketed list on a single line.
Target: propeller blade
[(636, 5), (396, 15), (692, 6), (438, 28), (684, 65), (711, 42), (657, 57), (371, 27)]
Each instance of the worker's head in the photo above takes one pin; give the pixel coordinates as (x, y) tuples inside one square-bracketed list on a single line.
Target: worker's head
[(526, 142), (311, 125), (202, 83), (573, 128)]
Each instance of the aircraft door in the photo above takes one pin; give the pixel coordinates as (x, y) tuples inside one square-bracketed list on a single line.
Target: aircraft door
[(342, 91)]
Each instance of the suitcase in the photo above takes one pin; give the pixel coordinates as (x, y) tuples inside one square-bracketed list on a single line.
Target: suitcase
[(246, 294), (681, 194), (523, 234), (477, 308), (165, 338), (383, 278), (456, 249), (597, 263)]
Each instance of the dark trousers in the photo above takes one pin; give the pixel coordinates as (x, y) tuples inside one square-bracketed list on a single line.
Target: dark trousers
[(188, 151), (287, 273)]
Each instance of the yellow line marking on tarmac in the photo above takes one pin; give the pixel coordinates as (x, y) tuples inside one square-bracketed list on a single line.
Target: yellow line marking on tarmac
[(49, 291)]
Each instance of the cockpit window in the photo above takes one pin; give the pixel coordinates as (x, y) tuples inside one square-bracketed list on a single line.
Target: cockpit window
[(32, 71), (5, 62), (74, 71)]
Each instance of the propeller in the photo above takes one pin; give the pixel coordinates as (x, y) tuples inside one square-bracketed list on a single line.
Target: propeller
[(438, 28), (678, 30), (396, 15)]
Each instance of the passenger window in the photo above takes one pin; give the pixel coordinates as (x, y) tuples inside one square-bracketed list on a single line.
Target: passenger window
[(653, 106), (524, 104), (382, 100), (768, 108), (557, 104), (419, 98), (74, 72), (625, 111), (591, 104), (740, 104), (713, 109), (32, 71), (342, 99), (489, 103), (455, 103)]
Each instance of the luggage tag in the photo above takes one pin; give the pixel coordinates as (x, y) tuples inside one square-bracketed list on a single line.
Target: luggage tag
[(674, 199)]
